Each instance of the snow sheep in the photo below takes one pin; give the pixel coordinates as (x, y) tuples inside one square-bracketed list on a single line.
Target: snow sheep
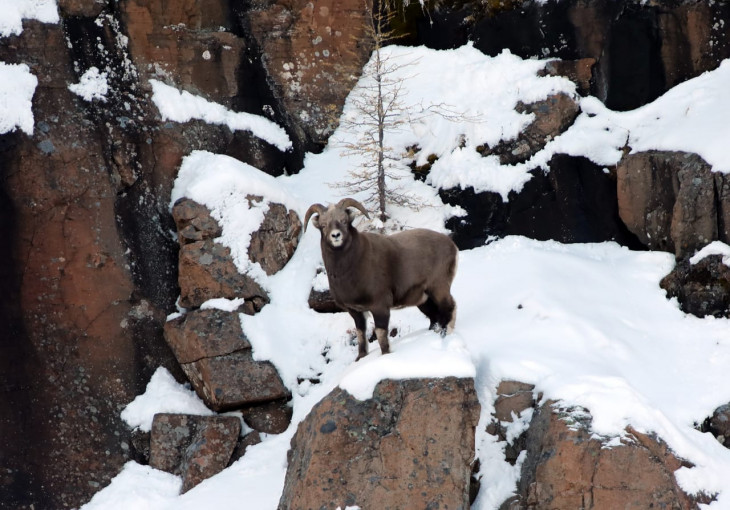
[(374, 273)]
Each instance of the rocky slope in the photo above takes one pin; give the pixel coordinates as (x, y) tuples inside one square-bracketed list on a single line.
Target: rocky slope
[(90, 270)]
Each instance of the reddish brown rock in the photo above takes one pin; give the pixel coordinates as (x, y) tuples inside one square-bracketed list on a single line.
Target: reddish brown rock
[(206, 271), (322, 301), (552, 116), (578, 71), (205, 334), (311, 57), (410, 446), (270, 418), (234, 380), (513, 397), (189, 41), (216, 357), (193, 447), (274, 242), (567, 467), (250, 439), (513, 400), (194, 222), (672, 200)]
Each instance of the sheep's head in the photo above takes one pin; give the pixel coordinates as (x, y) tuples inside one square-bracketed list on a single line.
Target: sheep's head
[(334, 221)]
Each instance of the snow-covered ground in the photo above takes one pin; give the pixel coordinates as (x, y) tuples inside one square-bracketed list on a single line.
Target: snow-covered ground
[(587, 324)]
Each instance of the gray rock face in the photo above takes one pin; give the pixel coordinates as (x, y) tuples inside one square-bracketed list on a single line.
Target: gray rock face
[(193, 447), (410, 446)]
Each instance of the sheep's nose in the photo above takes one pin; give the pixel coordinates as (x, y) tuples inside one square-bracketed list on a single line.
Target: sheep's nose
[(336, 235)]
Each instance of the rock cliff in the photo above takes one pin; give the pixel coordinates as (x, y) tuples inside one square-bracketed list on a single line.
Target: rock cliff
[(90, 270)]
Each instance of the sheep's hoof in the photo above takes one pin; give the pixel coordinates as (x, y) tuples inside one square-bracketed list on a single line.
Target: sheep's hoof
[(361, 355)]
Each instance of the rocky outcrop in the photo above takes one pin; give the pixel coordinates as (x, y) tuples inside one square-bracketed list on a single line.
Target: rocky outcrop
[(672, 201), (567, 466), (206, 269), (274, 242), (209, 344), (192, 447), (573, 201), (552, 117), (702, 288), (216, 357), (386, 452)]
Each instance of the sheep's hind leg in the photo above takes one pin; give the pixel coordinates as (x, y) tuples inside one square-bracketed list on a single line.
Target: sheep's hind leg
[(381, 330), (360, 325)]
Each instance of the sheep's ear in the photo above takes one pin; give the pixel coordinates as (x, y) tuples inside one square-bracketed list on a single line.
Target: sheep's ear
[(314, 211), (315, 222)]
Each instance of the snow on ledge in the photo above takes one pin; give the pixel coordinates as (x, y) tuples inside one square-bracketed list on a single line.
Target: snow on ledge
[(714, 248), (182, 106), (13, 13), (163, 395), (17, 86), (423, 354)]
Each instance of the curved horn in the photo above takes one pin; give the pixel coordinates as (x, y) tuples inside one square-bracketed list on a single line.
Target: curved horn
[(313, 209), (351, 202)]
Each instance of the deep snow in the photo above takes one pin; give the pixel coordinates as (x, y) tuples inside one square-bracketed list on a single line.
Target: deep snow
[(587, 324)]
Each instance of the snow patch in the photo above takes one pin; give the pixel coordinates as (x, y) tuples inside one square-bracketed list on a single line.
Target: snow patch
[(92, 85), (13, 13), (182, 106), (714, 248), (17, 86), (163, 395)]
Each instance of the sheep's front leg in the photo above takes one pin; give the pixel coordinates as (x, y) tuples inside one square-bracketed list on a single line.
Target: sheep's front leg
[(360, 325), (381, 329)]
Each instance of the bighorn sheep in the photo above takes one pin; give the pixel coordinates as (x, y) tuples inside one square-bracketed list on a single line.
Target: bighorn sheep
[(373, 273)]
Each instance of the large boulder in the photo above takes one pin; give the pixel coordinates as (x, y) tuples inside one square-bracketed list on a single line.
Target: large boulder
[(216, 356), (206, 271), (672, 201), (567, 466), (410, 446), (274, 242), (192, 447)]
